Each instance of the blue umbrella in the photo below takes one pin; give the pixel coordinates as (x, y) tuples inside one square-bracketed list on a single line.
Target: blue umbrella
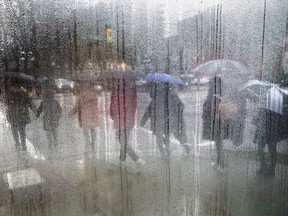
[(163, 78)]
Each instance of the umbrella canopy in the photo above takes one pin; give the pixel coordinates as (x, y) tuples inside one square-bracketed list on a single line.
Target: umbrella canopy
[(269, 95), (222, 67), (14, 78), (17, 76), (254, 89), (163, 78)]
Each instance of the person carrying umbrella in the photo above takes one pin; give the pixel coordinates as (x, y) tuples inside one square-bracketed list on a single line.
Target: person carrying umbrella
[(19, 89), (123, 106), (224, 110), (165, 112), (18, 103), (271, 126)]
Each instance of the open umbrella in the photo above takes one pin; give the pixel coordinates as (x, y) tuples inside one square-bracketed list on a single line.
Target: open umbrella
[(269, 95), (222, 67), (163, 78), (17, 77), (254, 89)]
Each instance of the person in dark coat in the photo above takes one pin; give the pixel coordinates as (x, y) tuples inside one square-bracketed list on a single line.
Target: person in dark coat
[(224, 113), (52, 111), (165, 112), (123, 106), (271, 128), (18, 103)]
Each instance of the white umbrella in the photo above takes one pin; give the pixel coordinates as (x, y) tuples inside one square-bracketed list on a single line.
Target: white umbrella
[(223, 67), (270, 96)]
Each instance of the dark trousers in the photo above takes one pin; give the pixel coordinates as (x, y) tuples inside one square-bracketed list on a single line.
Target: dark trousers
[(52, 136), (273, 155), (18, 130), (123, 136), (270, 130), (90, 136)]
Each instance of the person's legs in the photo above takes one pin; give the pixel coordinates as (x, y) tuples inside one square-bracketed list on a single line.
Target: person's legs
[(86, 136), (219, 150), (182, 138), (93, 137), (160, 143), (50, 137), (22, 133), (55, 135), (14, 130), (218, 136), (273, 156), (125, 147), (130, 151), (263, 166)]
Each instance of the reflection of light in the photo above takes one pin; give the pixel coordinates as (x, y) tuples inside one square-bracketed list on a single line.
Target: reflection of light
[(81, 161), (80, 164), (23, 178), (9, 180), (34, 154), (122, 66)]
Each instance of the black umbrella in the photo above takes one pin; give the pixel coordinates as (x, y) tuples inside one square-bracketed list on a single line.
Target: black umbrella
[(18, 79)]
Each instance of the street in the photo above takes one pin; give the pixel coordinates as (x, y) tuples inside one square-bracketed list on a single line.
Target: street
[(75, 180)]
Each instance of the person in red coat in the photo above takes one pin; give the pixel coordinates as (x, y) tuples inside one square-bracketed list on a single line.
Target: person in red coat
[(123, 105)]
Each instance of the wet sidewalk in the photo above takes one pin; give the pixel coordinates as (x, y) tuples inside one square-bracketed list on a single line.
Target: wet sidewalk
[(179, 185), (88, 184)]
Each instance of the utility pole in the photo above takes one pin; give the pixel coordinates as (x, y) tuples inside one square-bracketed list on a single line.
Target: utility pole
[(75, 41), (117, 29), (123, 36), (168, 56), (263, 43)]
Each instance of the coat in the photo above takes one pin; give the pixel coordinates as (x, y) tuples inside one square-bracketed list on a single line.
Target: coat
[(123, 104), (271, 126), (165, 112), (224, 112), (18, 108), (51, 113), (87, 109)]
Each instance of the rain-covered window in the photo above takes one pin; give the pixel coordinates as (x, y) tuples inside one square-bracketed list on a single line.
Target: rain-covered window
[(152, 107)]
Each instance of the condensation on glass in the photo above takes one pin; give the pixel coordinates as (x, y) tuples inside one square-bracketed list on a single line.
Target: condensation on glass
[(124, 107)]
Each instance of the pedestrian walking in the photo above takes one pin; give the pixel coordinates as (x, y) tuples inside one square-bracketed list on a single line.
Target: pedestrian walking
[(165, 112), (224, 113), (123, 105), (86, 107), (224, 110), (52, 112), (18, 103)]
